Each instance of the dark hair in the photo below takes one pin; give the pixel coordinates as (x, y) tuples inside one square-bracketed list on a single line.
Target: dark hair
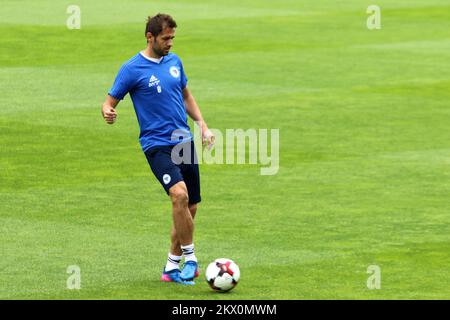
[(157, 23)]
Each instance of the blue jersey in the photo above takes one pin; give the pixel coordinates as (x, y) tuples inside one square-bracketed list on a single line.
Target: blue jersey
[(156, 90)]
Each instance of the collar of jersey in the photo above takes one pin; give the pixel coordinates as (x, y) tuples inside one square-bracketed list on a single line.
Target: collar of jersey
[(151, 60)]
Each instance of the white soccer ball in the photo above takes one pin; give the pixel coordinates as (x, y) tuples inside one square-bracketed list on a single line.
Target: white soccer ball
[(222, 274)]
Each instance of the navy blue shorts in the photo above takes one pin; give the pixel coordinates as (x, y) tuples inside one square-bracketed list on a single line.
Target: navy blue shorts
[(183, 168)]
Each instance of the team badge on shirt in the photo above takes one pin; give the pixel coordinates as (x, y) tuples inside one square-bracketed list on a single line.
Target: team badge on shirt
[(174, 72)]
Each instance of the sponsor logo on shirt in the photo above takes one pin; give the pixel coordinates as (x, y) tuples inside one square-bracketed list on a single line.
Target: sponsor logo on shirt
[(154, 81)]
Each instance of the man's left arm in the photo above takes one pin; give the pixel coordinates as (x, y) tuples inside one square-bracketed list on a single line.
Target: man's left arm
[(194, 112)]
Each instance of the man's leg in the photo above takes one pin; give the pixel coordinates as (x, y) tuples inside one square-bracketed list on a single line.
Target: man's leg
[(175, 253), (175, 247), (187, 190), (182, 219), (171, 178), (184, 228), (182, 234)]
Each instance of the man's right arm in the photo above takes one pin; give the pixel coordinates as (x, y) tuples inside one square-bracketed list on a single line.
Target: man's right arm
[(108, 109)]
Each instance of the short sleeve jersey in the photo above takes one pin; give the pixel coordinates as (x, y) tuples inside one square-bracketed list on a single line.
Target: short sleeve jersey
[(156, 90)]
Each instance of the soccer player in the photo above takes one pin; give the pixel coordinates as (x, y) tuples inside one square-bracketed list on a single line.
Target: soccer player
[(157, 84)]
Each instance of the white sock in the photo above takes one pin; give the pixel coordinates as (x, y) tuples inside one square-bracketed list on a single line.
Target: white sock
[(188, 252), (173, 262)]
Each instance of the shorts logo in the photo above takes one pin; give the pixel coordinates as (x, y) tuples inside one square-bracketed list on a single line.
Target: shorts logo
[(166, 178), (174, 72)]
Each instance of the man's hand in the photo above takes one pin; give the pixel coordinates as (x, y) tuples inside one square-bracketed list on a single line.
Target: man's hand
[(109, 114), (208, 137), (108, 109)]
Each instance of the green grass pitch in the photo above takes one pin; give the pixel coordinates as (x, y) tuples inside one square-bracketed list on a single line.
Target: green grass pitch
[(364, 123)]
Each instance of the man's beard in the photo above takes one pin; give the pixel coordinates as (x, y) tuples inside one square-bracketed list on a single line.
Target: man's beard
[(160, 52)]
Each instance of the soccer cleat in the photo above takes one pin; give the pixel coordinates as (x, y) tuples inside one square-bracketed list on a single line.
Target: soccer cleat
[(174, 276), (171, 276), (189, 271)]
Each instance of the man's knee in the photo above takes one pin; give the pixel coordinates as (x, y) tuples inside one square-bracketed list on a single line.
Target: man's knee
[(178, 194)]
